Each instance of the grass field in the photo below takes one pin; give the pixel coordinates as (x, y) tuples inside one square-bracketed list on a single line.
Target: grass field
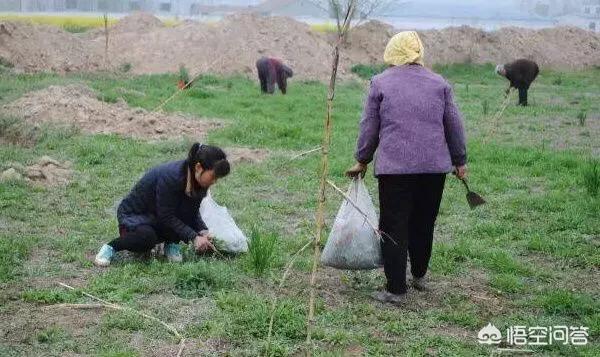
[(529, 257)]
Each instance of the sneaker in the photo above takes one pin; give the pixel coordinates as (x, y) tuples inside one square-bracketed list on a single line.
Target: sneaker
[(173, 252), (421, 284), (387, 297), (104, 256)]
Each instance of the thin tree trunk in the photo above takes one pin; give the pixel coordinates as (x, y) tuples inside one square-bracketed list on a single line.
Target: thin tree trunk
[(106, 59)]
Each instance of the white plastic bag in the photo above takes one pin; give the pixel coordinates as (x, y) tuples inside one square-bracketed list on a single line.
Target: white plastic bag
[(228, 237), (352, 243)]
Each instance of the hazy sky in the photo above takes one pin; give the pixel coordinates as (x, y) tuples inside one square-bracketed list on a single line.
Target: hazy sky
[(462, 8)]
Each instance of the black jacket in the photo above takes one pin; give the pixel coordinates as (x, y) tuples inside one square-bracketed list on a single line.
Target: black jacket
[(159, 200)]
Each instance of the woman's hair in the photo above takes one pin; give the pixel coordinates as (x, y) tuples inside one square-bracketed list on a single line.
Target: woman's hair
[(210, 158)]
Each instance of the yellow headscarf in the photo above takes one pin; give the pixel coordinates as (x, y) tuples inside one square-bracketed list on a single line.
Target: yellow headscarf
[(405, 47)]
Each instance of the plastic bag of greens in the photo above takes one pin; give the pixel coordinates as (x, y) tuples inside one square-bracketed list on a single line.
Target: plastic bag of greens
[(228, 237), (352, 243)]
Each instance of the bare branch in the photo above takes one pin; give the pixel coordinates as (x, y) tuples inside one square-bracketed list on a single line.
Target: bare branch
[(363, 9)]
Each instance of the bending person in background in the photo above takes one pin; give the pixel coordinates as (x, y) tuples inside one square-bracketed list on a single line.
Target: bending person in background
[(411, 120), (164, 206), (521, 73), (271, 71)]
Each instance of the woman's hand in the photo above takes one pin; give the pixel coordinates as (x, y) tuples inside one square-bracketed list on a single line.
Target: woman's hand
[(202, 243), (356, 170), (461, 172)]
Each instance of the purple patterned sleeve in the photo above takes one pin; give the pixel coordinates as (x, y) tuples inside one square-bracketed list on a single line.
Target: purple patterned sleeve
[(454, 130), (368, 138)]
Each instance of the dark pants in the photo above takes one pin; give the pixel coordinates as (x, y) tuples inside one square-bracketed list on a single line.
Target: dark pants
[(267, 82), (523, 96), (409, 206), (142, 239)]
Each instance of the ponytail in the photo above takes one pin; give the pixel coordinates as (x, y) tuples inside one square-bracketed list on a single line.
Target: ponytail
[(210, 158)]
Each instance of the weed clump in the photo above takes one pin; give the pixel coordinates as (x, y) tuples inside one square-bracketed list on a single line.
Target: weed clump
[(261, 251)]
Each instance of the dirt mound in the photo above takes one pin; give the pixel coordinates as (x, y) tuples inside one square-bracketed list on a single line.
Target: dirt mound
[(245, 155), (78, 105), (237, 41), (560, 47), (304, 50), (137, 22), (31, 48), (365, 43), (233, 45), (230, 46), (47, 172)]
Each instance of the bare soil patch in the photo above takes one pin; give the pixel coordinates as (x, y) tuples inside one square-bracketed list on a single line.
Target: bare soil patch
[(237, 155), (32, 319)]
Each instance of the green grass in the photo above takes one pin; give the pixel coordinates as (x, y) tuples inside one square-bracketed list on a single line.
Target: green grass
[(5, 64), (582, 117), (51, 335), (201, 278), (49, 296), (591, 177), (12, 251), (15, 132), (261, 251), (530, 255), (366, 72)]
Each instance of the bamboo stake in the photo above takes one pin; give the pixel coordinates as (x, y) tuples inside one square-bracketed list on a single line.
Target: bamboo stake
[(113, 306), (320, 219), (497, 116)]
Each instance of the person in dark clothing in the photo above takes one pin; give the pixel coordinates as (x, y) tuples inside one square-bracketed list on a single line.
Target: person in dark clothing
[(521, 73), (271, 71), (164, 205), (412, 125)]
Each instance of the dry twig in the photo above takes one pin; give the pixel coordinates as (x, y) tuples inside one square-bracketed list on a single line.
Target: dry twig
[(497, 116), (306, 153)]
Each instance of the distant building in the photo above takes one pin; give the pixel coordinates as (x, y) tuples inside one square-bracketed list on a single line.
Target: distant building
[(591, 8), (551, 8), (587, 17), (160, 7)]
